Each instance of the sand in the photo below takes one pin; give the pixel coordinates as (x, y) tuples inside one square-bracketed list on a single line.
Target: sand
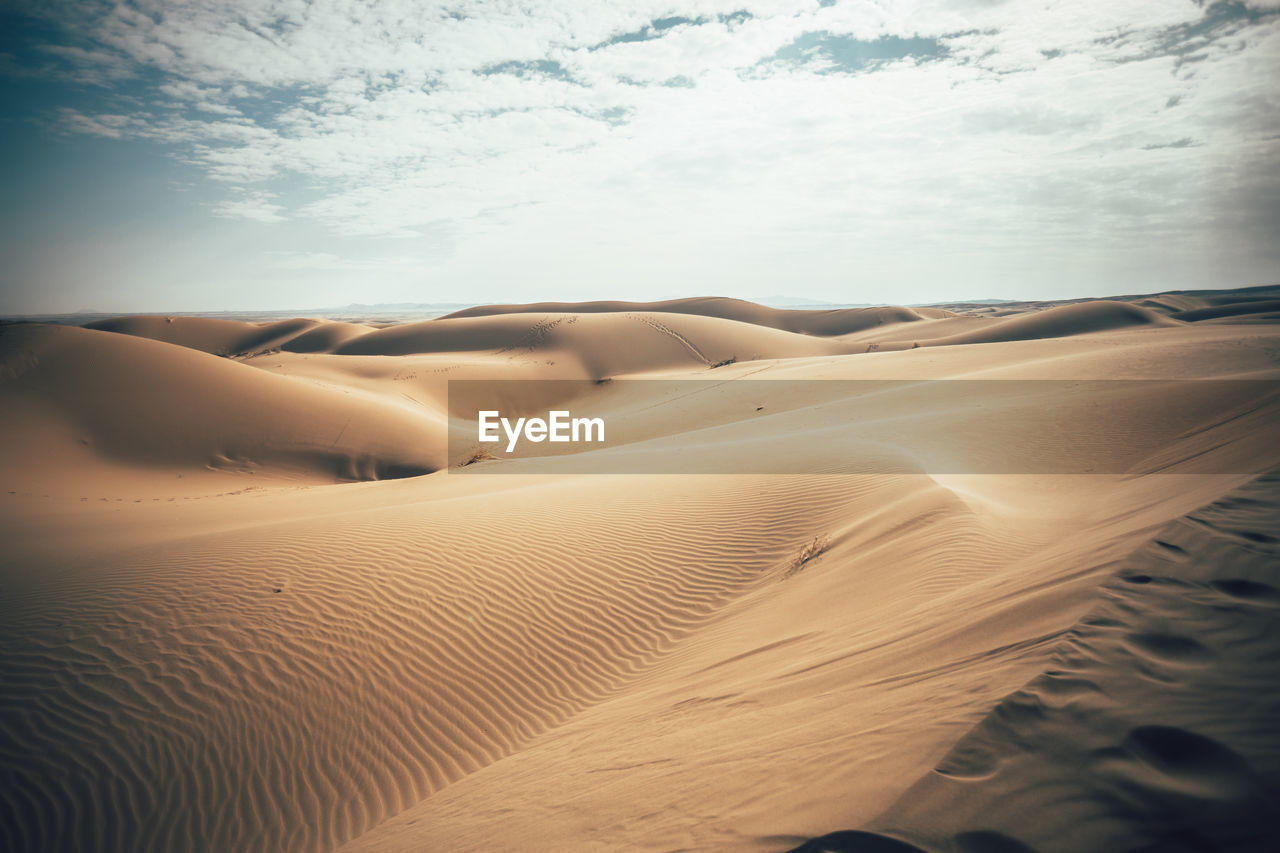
[(249, 605)]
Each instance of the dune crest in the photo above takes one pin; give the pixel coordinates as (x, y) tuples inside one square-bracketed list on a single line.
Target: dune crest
[(208, 334), (823, 322)]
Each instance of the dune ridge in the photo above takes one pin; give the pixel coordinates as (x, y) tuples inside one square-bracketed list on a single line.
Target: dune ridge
[(723, 325), (208, 334), (824, 322)]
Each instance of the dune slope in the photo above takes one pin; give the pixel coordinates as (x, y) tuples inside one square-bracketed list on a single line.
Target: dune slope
[(288, 687), (76, 396), (1154, 727)]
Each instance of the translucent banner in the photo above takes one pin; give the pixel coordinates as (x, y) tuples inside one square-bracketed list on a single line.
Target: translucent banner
[(960, 426)]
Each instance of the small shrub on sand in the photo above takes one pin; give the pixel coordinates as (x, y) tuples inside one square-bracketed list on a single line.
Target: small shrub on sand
[(810, 552)]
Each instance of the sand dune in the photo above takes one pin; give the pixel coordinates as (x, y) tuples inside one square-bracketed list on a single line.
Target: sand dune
[(208, 334), (85, 396), (1265, 309), (810, 322), (234, 337), (324, 337), (1164, 303), (655, 341), (1163, 697), (402, 652), (1059, 322), (213, 640), (1209, 298)]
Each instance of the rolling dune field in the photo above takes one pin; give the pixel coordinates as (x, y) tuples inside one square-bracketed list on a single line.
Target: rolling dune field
[(253, 600)]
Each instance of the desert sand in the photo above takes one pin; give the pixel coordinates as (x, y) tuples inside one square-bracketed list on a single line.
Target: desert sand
[(251, 602)]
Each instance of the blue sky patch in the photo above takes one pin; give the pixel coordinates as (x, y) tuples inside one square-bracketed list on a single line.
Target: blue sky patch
[(845, 54)]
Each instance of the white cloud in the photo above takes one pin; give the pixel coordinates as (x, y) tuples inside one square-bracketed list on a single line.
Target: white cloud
[(204, 99), (532, 134), (258, 206), (328, 261)]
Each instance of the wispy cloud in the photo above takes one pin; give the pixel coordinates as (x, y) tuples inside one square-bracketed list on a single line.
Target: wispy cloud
[(1184, 142), (852, 132), (255, 205), (328, 261)]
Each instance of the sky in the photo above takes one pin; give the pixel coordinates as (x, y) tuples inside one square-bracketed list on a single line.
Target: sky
[(202, 155)]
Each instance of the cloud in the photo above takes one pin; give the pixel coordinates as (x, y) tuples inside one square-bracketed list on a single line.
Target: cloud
[(257, 206), (328, 262), (205, 99), (855, 132), (91, 65), (1184, 142), (305, 261)]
